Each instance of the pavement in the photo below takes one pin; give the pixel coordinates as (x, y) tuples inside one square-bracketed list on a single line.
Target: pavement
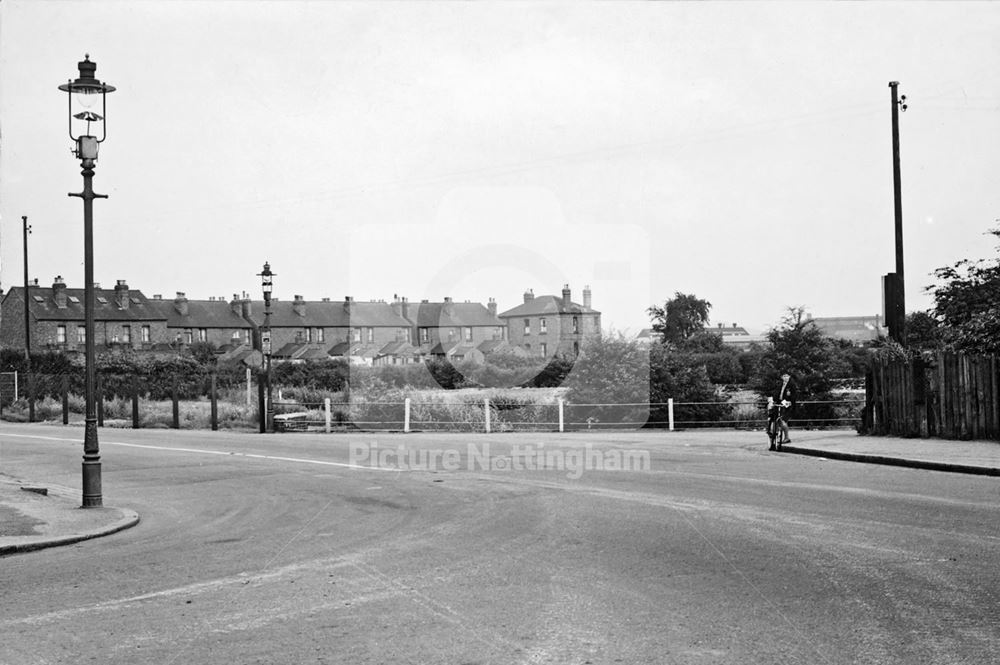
[(34, 515)]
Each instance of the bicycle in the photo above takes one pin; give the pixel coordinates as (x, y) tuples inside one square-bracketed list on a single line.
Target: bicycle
[(776, 424)]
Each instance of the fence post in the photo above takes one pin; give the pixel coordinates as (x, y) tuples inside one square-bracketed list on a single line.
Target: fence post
[(486, 413), (135, 404), (326, 413), (406, 415), (15, 387), (249, 398), (65, 399), (176, 405), (562, 422), (670, 413), (100, 401), (31, 397), (215, 406)]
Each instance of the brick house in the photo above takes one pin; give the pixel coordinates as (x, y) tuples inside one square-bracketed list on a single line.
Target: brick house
[(213, 321), (550, 326), (433, 323), (312, 325), (123, 318)]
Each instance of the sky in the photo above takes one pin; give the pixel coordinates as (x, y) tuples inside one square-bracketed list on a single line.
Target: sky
[(740, 152)]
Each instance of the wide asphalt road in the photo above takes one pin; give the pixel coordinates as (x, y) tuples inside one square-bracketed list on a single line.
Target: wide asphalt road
[(273, 549)]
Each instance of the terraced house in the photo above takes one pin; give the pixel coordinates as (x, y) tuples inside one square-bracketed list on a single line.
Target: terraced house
[(373, 332), (461, 331), (123, 318)]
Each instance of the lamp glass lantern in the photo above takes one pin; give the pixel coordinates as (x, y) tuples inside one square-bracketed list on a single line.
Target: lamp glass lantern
[(82, 97), (266, 283)]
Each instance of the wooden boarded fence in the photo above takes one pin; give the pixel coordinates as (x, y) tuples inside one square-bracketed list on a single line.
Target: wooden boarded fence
[(950, 395)]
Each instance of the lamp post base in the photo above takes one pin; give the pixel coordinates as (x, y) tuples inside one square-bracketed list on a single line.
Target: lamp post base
[(92, 496)]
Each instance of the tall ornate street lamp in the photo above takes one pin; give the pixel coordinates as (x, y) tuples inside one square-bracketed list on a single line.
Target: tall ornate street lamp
[(82, 94), (265, 340)]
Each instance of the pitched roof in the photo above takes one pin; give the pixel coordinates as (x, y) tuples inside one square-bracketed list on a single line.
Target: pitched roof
[(451, 314), (42, 305), (200, 314), (546, 305), (328, 314), (397, 349)]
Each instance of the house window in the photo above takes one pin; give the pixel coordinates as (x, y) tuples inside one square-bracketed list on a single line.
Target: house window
[(81, 334), (309, 335), (145, 333), (61, 334), (498, 333), (451, 334), (545, 349), (127, 334), (424, 335), (371, 335), (468, 334), (356, 335), (320, 335), (527, 327), (542, 329), (235, 337), (576, 325), (202, 334), (188, 336)]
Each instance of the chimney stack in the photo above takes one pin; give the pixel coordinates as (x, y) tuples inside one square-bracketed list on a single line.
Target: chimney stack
[(401, 307), (181, 303), (566, 295), (121, 294), (529, 295), (299, 306), (236, 305), (586, 296), (492, 307), (59, 292)]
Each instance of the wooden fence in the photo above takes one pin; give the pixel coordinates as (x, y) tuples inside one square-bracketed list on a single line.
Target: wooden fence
[(951, 396)]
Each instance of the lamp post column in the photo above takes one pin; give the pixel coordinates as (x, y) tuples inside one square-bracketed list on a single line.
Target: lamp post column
[(92, 496), (267, 360)]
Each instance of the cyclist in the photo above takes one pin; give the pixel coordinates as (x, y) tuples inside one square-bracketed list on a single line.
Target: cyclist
[(780, 405)]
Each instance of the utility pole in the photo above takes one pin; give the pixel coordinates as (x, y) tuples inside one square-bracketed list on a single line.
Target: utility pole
[(27, 324), (897, 326), (27, 327)]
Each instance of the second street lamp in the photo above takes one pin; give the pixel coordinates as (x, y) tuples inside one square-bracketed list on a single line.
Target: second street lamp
[(85, 91), (266, 284)]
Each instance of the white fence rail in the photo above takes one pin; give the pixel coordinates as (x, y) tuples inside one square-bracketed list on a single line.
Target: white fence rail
[(486, 415)]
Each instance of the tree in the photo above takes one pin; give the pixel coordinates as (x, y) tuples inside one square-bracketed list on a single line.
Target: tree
[(680, 318), (611, 378), (800, 348), (923, 331), (967, 304)]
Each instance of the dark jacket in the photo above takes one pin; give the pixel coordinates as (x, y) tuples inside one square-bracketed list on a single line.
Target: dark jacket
[(787, 392)]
